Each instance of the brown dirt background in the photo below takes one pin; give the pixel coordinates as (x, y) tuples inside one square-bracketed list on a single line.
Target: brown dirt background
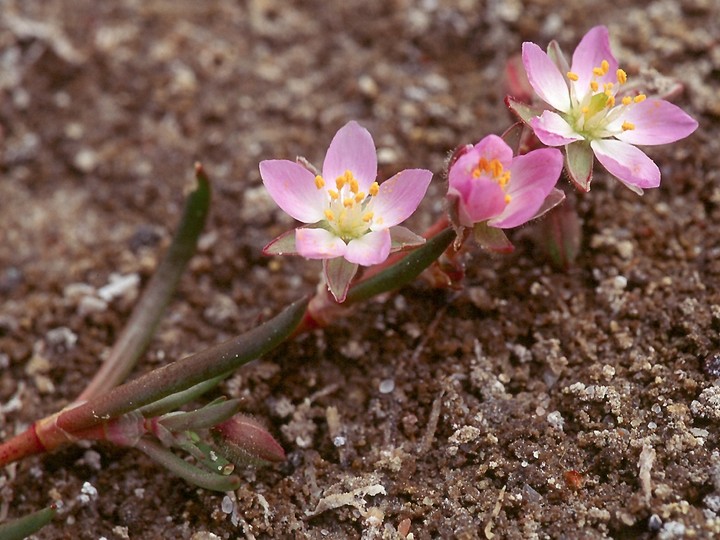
[(521, 404)]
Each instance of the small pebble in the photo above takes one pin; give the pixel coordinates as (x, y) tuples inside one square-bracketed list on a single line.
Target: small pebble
[(711, 365), (387, 386)]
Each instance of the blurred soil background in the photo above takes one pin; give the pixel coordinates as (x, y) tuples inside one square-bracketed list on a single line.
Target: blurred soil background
[(534, 403)]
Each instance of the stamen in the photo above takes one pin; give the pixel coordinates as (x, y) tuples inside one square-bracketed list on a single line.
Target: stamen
[(329, 215), (367, 218), (585, 110), (640, 98), (508, 198), (348, 203), (340, 182), (610, 101), (572, 76), (594, 86), (504, 179), (476, 172), (496, 168), (621, 76), (374, 188), (334, 195), (359, 197), (354, 186), (628, 126), (319, 182), (598, 72), (484, 164), (608, 87), (627, 100), (605, 66)]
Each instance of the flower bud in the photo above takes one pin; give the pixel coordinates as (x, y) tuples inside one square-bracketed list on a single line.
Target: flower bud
[(243, 440)]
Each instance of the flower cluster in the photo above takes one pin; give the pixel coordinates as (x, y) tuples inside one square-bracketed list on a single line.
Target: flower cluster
[(351, 220)]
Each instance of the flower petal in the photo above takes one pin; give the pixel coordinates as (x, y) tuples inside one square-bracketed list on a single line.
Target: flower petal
[(545, 77), (293, 188), (352, 149), (486, 200), (593, 48), (522, 208), (371, 248), (319, 244), (539, 169), (657, 121), (553, 130), (399, 197), (629, 164)]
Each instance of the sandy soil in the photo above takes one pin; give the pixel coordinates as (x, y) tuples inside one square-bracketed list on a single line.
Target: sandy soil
[(534, 403)]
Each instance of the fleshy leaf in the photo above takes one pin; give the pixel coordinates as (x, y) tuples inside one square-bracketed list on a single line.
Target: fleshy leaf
[(579, 164), (282, 245), (404, 271), (338, 275), (492, 238), (25, 526), (403, 238), (559, 235)]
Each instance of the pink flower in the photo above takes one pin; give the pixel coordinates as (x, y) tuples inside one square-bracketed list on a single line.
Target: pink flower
[(348, 214), (489, 185), (592, 108)]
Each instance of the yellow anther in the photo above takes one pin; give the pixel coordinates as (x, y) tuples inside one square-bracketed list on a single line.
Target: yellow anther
[(484, 165), (610, 101), (340, 182), (504, 179), (594, 86), (572, 76), (585, 110), (508, 198), (621, 76), (348, 175), (329, 215), (360, 196), (319, 182), (334, 195), (348, 203), (367, 218), (640, 98), (598, 72), (605, 66), (627, 100), (374, 188), (354, 186), (628, 126), (476, 172), (608, 87), (496, 168)]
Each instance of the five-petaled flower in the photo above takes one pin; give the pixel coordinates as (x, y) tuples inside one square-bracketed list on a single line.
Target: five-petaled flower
[(487, 184), (592, 112), (347, 213)]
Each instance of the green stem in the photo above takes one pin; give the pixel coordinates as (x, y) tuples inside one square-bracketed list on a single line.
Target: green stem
[(141, 326)]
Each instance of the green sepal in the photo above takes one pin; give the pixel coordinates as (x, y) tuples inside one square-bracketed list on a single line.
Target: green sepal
[(558, 57), (282, 245), (492, 238), (338, 274), (204, 418), (403, 238), (579, 164), (522, 110)]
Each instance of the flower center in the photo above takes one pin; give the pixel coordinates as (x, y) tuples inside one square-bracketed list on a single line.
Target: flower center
[(349, 212), (593, 111), (493, 170)]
